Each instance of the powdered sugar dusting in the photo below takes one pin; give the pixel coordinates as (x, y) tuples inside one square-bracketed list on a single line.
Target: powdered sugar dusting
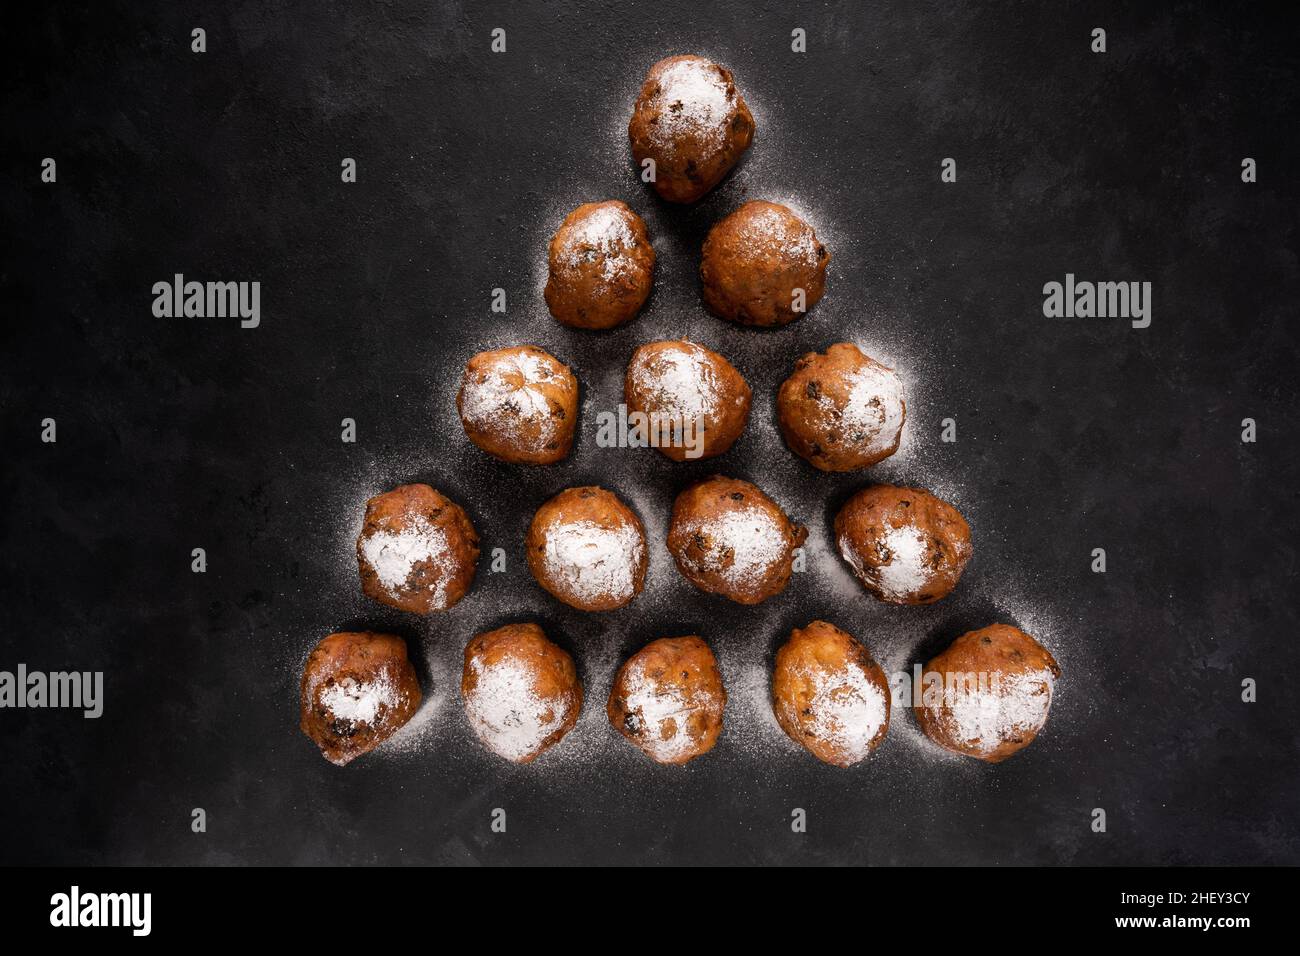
[(847, 709), (682, 381), (594, 562), (664, 710), (360, 703), (752, 538), (766, 227), (600, 233), (504, 396), (506, 712), (998, 708), (873, 415), (693, 101), (394, 555), (902, 568)]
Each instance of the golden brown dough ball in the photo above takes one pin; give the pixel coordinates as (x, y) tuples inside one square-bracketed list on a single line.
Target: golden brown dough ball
[(830, 695), (988, 694), (905, 545), (588, 549), (417, 550), (668, 699), (521, 691), (841, 410), (729, 538), (692, 122), (357, 689), (601, 266), (696, 390), (754, 261), (519, 404)]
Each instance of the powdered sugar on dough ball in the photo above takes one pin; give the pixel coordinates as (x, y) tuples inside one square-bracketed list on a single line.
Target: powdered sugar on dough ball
[(680, 377), (588, 549), (830, 695), (773, 227), (905, 545), (988, 695), (697, 402), (417, 550), (600, 266), (357, 690), (763, 265), (521, 691), (729, 538), (519, 404), (668, 699), (692, 122), (841, 410)]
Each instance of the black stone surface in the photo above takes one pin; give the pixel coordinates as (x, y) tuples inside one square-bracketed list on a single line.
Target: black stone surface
[(1073, 434)]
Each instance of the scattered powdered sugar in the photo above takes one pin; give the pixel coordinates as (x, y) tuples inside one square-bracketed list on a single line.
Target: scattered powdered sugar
[(767, 227), (847, 709), (395, 554), (999, 707), (360, 702), (692, 101), (753, 539), (682, 381), (663, 710), (505, 711), (594, 562), (507, 397), (603, 233), (874, 408)]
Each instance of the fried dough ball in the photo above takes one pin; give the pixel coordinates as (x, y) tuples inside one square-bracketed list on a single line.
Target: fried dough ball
[(601, 266), (830, 695), (692, 122), (700, 400), (417, 550), (729, 538), (841, 410), (905, 545), (357, 690), (988, 694), (757, 260), (519, 404), (588, 549), (668, 699), (521, 691)]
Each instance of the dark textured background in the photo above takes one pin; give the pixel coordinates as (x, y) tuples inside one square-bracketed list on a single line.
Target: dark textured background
[(1074, 434)]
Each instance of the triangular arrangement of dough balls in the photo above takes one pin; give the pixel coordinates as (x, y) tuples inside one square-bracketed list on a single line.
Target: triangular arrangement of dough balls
[(986, 696)]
